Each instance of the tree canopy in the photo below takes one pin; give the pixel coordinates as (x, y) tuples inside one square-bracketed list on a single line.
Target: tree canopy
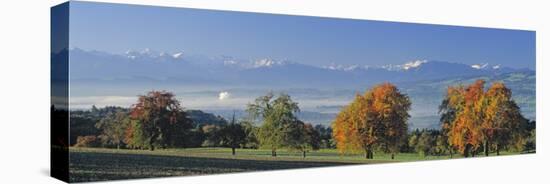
[(473, 117), (377, 119), (159, 121), (280, 128)]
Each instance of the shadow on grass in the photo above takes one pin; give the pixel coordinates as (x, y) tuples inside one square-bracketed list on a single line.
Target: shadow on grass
[(89, 166)]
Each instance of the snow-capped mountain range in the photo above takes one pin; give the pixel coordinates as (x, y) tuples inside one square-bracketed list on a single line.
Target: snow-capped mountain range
[(180, 67), (403, 67)]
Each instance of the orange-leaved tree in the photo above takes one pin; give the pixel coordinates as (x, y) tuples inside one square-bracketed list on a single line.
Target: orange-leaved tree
[(472, 117), (377, 119), (465, 132), (503, 123)]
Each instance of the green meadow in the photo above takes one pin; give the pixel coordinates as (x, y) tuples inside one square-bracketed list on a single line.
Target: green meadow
[(99, 164)]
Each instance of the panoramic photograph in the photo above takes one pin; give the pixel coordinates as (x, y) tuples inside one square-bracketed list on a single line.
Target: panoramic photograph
[(160, 91)]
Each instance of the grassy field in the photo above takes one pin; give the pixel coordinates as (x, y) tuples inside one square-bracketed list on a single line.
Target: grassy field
[(97, 164)]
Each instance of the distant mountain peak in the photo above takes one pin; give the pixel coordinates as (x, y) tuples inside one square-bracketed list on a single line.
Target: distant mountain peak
[(487, 66), (177, 55), (406, 66), (340, 67), (135, 54), (480, 66), (150, 54), (413, 64), (267, 62)]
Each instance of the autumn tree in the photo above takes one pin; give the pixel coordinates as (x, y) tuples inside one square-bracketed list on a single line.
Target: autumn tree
[(352, 131), (159, 120), (376, 119), (465, 129), (472, 117), (280, 123), (503, 123), (134, 136), (448, 113), (392, 109)]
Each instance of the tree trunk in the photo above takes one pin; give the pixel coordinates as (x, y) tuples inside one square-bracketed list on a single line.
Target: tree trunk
[(273, 153), (233, 151), (498, 150), (467, 151), (151, 146), (392, 156), (486, 148), (368, 153), (304, 153)]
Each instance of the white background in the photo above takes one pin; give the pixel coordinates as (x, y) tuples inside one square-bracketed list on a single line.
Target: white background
[(25, 94)]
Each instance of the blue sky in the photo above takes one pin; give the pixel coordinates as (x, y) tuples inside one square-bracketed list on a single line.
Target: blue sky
[(316, 41)]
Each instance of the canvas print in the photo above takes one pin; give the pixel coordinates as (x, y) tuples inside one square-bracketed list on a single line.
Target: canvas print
[(146, 91)]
